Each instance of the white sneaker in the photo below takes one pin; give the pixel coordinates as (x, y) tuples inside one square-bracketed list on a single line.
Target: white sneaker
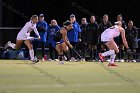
[(108, 60), (73, 59), (56, 60), (83, 59), (134, 60), (9, 44), (50, 59), (117, 60), (43, 60), (122, 60)]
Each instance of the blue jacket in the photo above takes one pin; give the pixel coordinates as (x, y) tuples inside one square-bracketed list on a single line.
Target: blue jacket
[(73, 34), (51, 30), (42, 27)]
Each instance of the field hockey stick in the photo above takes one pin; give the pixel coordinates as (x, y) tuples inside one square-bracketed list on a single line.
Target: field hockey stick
[(77, 54), (32, 38)]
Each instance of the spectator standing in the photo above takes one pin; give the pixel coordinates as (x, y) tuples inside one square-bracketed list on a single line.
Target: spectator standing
[(42, 29), (118, 40), (132, 36), (73, 35), (105, 23), (82, 45), (92, 33), (53, 27)]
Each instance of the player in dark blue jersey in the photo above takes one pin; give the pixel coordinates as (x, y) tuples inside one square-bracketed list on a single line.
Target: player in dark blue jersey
[(62, 40)]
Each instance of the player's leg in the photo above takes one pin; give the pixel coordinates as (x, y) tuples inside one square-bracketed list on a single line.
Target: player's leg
[(60, 51), (31, 51), (64, 47), (113, 50), (112, 60), (18, 44)]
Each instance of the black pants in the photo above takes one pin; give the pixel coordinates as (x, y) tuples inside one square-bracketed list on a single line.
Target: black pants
[(42, 45), (52, 52), (72, 53), (81, 48)]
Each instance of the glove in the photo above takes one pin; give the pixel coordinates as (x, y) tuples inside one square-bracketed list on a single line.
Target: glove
[(79, 40), (128, 50)]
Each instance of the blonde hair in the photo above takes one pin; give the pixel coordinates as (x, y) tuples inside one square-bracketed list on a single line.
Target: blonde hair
[(118, 23), (54, 21), (33, 17)]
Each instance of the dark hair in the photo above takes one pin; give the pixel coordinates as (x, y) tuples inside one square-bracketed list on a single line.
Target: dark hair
[(72, 15), (33, 16), (120, 15), (66, 23), (41, 15)]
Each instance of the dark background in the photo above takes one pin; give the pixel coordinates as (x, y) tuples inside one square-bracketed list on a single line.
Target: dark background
[(15, 12)]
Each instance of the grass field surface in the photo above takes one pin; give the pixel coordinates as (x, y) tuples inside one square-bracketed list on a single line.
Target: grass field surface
[(21, 76)]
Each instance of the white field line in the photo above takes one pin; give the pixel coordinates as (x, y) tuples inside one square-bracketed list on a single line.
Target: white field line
[(59, 85)]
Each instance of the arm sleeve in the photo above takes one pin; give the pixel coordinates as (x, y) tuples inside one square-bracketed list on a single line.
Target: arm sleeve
[(25, 29)]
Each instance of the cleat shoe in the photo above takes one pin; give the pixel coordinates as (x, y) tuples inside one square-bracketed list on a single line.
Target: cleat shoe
[(102, 58), (112, 64), (35, 61)]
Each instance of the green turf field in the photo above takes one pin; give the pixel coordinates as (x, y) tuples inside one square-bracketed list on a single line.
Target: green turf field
[(18, 76)]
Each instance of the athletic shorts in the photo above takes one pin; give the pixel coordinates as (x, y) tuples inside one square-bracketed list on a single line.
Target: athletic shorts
[(60, 42), (105, 39), (21, 37)]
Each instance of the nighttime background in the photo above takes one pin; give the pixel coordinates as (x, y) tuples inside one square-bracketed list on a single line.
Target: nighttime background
[(17, 12)]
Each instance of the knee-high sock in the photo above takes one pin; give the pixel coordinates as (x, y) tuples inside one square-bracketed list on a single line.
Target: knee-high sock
[(31, 54), (112, 58), (108, 53), (60, 57)]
